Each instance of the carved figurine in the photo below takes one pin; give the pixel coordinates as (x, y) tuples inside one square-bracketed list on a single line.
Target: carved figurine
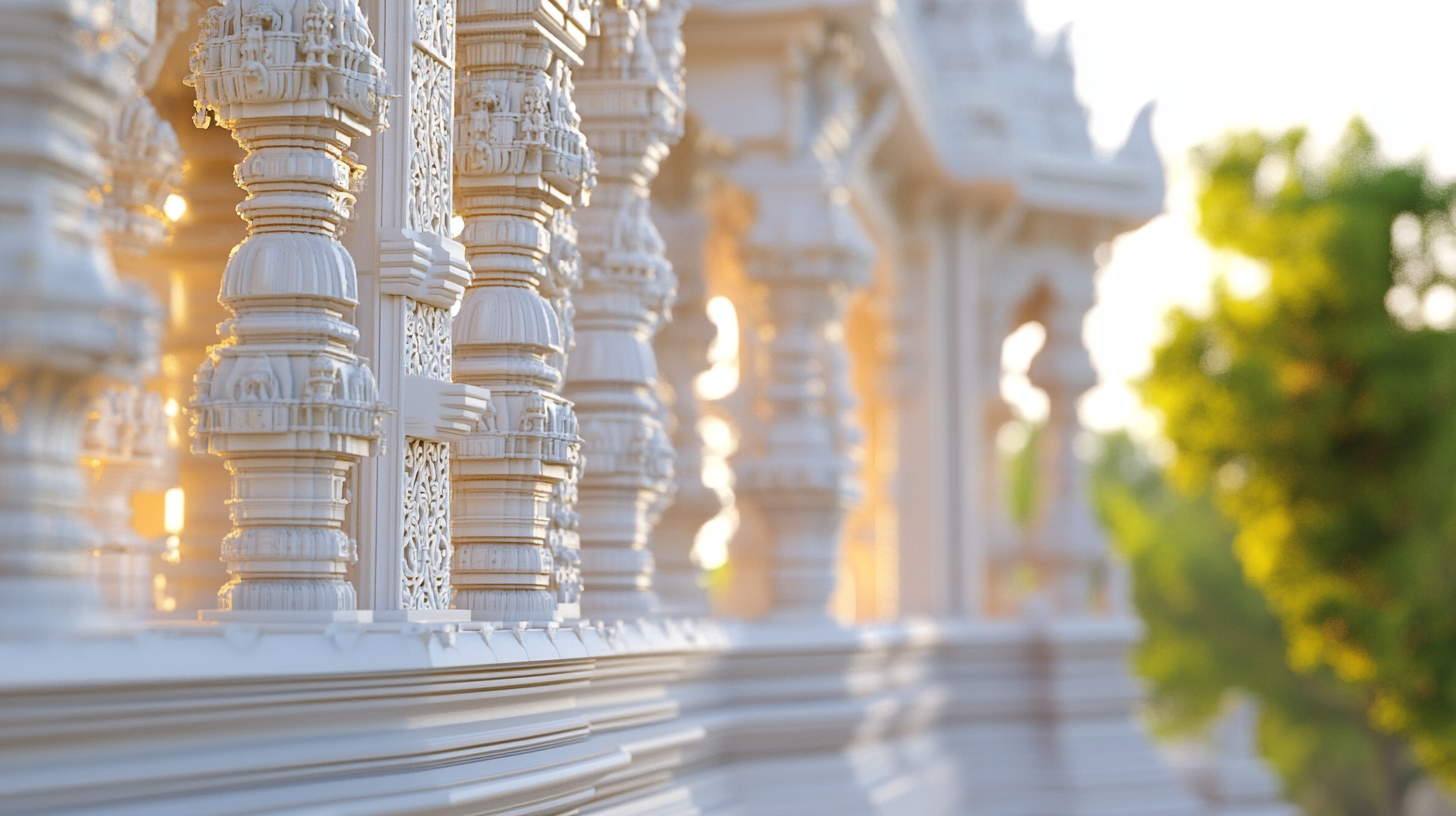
[(481, 131), (317, 48), (535, 109)]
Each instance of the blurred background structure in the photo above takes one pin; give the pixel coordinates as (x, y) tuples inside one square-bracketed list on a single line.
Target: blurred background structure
[(627, 407)]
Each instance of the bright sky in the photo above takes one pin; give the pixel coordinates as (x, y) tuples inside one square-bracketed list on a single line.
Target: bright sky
[(1212, 65)]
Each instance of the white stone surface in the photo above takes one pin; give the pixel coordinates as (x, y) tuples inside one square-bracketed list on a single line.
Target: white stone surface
[(508, 265), (412, 277)]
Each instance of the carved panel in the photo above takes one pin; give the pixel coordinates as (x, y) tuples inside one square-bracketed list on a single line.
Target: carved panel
[(435, 27), (432, 94), (425, 578), (426, 340)]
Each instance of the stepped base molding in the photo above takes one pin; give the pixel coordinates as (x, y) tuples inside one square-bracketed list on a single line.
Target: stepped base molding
[(1041, 717), (810, 718), (356, 718), (652, 718)]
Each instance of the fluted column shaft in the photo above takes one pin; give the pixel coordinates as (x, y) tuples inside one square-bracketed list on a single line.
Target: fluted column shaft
[(630, 98), (66, 327), (284, 400), (519, 159)]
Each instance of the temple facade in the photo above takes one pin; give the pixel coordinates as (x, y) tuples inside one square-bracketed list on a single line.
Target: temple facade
[(555, 407)]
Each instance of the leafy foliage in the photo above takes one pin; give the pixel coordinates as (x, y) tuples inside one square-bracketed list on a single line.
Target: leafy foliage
[(1324, 425), (1209, 633)]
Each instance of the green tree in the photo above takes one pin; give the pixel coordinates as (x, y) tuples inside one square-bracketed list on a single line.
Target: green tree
[(1208, 632), (1324, 425)]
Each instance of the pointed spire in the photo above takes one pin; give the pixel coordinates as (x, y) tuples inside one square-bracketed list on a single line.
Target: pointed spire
[(1139, 147)]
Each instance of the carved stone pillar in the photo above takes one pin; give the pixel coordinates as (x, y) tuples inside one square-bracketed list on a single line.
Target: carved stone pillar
[(630, 97), (284, 400), (520, 158), (808, 252), (128, 439), (800, 473), (414, 278), (1067, 541), (679, 207), (194, 260), (66, 326)]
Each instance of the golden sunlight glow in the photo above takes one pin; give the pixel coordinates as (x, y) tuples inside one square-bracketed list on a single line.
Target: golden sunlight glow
[(173, 512), (1017, 351), (722, 378), (174, 207), (160, 599), (710, 545), (171, 409)]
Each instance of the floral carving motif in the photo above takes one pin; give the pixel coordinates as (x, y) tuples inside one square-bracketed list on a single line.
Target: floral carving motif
[(426, 340), (432, 99), (435, 27), (425, 579)]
